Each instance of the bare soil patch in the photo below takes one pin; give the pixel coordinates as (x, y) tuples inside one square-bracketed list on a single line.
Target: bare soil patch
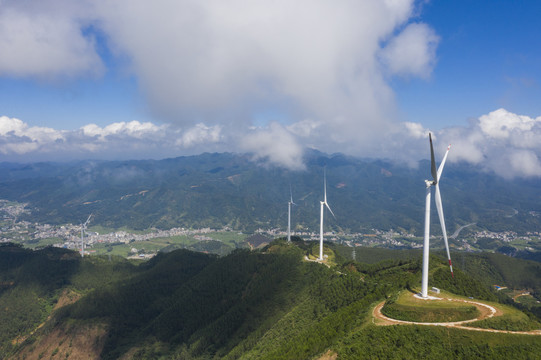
[(74, 342)]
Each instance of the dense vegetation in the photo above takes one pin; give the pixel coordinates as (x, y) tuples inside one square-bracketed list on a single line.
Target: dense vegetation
[(268, 304), (422, 342), (216, 190)]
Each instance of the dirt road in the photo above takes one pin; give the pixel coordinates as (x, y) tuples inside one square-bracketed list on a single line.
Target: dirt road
[(487, 311)]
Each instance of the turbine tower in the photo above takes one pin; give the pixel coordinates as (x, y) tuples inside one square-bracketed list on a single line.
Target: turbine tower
[(436, 174), (83, 228), (324, 202), (289, 203)]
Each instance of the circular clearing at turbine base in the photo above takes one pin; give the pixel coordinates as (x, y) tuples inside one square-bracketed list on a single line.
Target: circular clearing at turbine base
[(448, 305), (407, 306)]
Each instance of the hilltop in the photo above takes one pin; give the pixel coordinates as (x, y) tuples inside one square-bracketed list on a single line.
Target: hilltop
[(268, 303)]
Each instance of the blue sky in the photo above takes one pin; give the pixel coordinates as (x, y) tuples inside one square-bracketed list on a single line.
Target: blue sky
[(126, 79), (488, 57)]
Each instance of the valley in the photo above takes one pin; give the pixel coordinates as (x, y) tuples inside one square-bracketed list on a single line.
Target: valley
[(129, 242)]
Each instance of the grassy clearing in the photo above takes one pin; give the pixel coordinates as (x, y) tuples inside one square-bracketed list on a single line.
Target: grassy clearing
[(314, 254), (406, 307), (512, 320), (230, 238), (43, 242)]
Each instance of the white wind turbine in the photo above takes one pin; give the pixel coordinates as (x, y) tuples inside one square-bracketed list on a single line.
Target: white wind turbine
[(83, 228), (324, 202), (436, 174), (289, 203)]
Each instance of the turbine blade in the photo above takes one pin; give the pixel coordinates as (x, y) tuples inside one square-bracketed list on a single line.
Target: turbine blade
[(328, 207), (324, 186), (432, 161), (290, 194), (440, 169), (439, 207)]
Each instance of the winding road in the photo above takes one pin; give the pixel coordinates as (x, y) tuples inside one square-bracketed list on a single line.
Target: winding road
[(455, 234), (487, 311)]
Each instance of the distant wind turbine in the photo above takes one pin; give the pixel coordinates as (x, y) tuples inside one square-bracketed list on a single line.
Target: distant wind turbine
[(289, 203), (83, 229), (436, 174), (324, 202)]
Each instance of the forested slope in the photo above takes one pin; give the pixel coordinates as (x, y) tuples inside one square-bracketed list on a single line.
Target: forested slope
[(268, 304)]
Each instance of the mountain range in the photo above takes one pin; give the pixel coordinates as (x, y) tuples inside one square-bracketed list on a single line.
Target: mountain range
[(225, 189)]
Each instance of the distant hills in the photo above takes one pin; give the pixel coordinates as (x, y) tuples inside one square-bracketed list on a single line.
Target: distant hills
[(216, 190)]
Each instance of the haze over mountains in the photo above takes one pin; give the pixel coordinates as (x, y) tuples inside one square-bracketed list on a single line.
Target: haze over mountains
[(225, 189)]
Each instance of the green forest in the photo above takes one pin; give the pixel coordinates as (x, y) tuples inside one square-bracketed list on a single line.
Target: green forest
[(264, 304)]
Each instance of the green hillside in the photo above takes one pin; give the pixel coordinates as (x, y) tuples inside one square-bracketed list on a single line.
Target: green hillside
[(488, 269), (268, 304)]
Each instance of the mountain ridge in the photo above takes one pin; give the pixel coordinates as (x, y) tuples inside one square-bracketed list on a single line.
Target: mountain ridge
[(225, 189)]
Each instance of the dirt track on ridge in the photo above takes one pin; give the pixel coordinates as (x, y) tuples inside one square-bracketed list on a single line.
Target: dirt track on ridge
[(487, 311)]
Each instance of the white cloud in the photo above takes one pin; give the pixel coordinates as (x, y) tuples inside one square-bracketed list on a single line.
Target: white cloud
[(416, 130), (122, 140), (223, 63), (412, 52), (500, 141), (18, 138), (133, 129), (524, 163), (200, 134), (303, 128), (274, 145), (468, 144), (45, 40), (501, 123)]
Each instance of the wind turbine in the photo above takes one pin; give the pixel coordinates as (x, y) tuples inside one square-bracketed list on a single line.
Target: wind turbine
[(436, 174), (324, 202), (83, 228), (289, 203)]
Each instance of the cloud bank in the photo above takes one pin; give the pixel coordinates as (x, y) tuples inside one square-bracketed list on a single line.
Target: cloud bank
[(500, 141), (122, 140)]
